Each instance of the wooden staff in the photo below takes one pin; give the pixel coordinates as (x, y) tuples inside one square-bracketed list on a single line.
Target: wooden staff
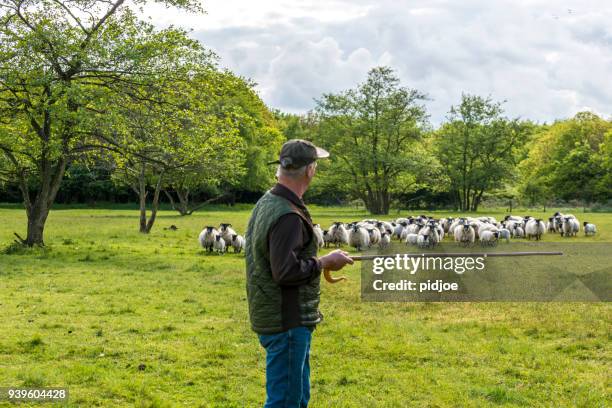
[(331, 279)]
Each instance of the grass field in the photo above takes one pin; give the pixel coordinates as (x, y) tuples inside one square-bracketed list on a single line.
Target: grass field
[(125, 319)]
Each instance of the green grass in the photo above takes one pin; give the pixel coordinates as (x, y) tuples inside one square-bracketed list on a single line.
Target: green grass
[(125, 319)]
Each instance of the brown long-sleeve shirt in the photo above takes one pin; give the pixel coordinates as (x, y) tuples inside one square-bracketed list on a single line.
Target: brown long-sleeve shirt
[(286, 239)]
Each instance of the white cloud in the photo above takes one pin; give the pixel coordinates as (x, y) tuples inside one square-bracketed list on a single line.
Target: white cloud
[(547, 59)]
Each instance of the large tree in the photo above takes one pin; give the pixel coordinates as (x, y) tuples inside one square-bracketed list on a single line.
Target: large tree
[(58, 60), (170, 138), (569, 160), (371, 132), (478, 148)]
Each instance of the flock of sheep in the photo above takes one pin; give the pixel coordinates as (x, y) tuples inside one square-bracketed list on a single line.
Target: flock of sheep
[(220, 240), (427, 232), (422, 231)]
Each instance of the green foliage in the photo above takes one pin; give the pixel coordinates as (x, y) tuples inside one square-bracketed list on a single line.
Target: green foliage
[(569, 160), (62, 65), (371, 132), (478, 149)]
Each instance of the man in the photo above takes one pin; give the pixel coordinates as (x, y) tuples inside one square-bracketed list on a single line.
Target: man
[(283, 275)]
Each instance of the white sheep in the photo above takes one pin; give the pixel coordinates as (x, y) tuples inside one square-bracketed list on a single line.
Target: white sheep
[(339, 234), (327, 238), (385, 240), (464, 234), (207, 237), (589, 229), (423, 241), (375, 235), (412, 239), (226, 233), (219, 244), (318, 235), (489, 238), (237, 243), (358, 237), (505, 234), (535, 228), (570, 226), (517, 231)]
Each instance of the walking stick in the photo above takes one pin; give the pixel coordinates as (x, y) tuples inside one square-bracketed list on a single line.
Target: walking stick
[(331, 279)]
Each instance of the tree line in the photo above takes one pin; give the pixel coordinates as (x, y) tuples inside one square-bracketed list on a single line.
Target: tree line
[(96, 100)]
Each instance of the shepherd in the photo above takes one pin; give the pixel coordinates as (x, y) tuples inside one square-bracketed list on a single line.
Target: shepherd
[(283, 275)]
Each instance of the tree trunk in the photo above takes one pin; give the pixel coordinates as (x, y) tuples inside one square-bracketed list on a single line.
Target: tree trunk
[(38, 211), (141, 190), (154, 205)]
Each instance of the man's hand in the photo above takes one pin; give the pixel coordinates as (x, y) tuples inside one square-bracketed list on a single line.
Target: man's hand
[(335, 260)]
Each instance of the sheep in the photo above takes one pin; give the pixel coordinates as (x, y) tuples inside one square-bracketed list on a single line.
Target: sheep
[(589, 229), (489, 238), (505, 234), (423, 241), (412, 239), (226, 233), (535, 228), (358, 237), (517, 231), (464, 234), (431, 231), (327, 238), (237, 243), (551, 225), (570, 226), (399, 229), (316, 229), (339, 234), (219, 244), (207, 237), (375, 235), (385, 240)]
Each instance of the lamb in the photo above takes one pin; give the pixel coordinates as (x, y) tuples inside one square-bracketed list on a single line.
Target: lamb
[(237, 243), (385, 240), (339, 234), (207, 237), (570, 226), (535, 228), (489, 238), (219, 244), (412, 239), (226, 233), (464, 234), (505, 234), (589, 229), (358, 237), (318, 235), (517, 231)]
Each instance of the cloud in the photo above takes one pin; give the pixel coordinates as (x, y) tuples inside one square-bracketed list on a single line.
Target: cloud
[(548, 60)]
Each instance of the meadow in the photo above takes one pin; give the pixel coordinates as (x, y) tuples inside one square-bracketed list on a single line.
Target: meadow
[(126, 319)]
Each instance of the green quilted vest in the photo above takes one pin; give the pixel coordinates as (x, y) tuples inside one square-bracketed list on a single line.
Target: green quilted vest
[(263, 293)]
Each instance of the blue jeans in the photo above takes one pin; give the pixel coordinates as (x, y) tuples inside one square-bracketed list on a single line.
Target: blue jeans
[(287, 368)]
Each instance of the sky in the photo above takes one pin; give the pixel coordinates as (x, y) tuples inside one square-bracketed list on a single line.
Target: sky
[(548, 59)]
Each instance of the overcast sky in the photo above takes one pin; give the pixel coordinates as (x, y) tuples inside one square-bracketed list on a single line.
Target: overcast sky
[(549, 59)]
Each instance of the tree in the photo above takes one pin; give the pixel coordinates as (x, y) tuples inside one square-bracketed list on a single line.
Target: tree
[(478, 149), (371, 132), (167, 138), (58, 58), (569, 160)]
